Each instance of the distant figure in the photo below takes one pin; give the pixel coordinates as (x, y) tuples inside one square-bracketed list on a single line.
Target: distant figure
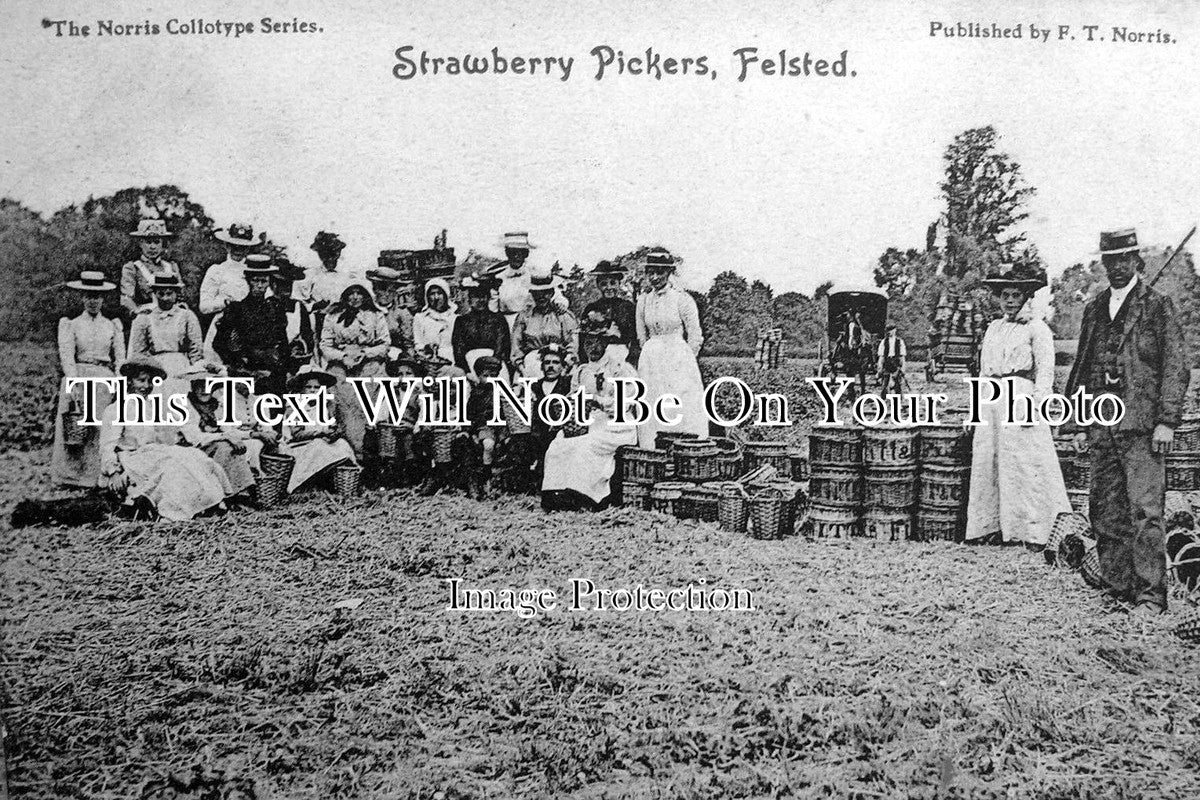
[(890, 357)]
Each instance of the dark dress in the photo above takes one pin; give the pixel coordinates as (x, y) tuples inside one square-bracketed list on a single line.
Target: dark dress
[(624, 313), (477, 330), (252, 341)]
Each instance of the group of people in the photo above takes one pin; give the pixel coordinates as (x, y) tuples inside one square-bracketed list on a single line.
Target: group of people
[(1131, 344), (262, 317)]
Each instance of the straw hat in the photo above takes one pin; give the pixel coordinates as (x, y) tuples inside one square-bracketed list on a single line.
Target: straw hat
[(385, 275), (1019, 276), (168, 281), (91, 281), (309, 371), (1120, 241), (140, 363), (660, 258), (517, 240), (236, 234), (544, 283), (259, 264), (608, 268), (151, 229)]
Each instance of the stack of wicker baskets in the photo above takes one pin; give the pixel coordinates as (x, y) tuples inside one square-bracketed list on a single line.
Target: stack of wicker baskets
[(1076, 472), (944, 456), (835, 486), (1183, 462), (890, 461)]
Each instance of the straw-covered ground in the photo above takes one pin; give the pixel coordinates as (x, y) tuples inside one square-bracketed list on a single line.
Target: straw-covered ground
[(216, 651)]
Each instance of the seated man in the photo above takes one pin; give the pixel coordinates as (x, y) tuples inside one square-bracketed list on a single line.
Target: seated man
[(553, 381)]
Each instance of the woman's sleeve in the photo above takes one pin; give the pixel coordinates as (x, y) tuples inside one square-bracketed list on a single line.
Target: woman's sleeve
[(570, 327), (690, 316), (118, 345), (518, 339), (329, 348), (381, 338), (1043, 359), (639, 318), (191, 433), (66, 347)]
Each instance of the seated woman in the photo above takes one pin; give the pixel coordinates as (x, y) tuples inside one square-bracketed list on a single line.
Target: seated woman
[(147, 461), (354, 343), (1017, 487), (578, 470), (316, 447)]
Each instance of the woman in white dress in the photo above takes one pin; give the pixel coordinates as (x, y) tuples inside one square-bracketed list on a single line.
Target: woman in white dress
[(583, 465), (434, 324), (668, 326), (148, 461), (315, 447), (1017, 487), (89, 346)]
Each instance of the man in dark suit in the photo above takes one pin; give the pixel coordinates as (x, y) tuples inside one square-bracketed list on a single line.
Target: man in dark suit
[(1131, 345)]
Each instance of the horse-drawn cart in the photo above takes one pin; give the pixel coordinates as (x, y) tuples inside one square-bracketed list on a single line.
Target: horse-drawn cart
[(855, 320)]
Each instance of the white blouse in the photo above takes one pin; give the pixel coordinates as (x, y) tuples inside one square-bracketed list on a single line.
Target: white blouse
[(1012, 347), (670, 312)]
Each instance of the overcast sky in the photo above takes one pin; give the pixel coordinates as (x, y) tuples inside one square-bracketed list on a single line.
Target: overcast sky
[(791, 180)]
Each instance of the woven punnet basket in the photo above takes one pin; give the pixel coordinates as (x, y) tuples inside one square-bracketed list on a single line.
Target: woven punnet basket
[(389, 441), (1089, 568), (635, 495), (346, 480), (768, 454), (702, 501), (1081, 500), (271, 489), (833, 522), (836, 445), (944, 444), (888, 524), (74, 434), (799, 465), (889, 447), (939, 524), (730, 459), (1073, 549), (1188, 626), (1187, 435), (277, 465), (732, 508), (768, 514), (665, 495), (645, 466), (1183, 472), (836, 486), (944, 486), (1065, 523), (442, 445), (696, 459), (891, 487), (665, 440)]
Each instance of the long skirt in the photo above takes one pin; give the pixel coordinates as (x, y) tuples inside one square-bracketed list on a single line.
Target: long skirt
[(667, 366), (236, 465), (586, 463), (79, 465), (1017, 486), (313, 457), (180, 481), (350, 411)]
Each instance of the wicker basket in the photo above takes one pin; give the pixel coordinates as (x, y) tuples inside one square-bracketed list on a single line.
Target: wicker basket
[(1188, 626), (389, 441), (1081, 500), (888, 524), (275, 464), (572, 429), (732, 509), (939, 524), (768, 514), (665, 440), (758, 476), (891, 487), (768, 454), (836, 486), (835, 445), (1073, 549), (443, 445), (799, 465), (516, 425), (1184, 565), (272, 489), (665, 495), (944, 486), (1187, 435), (1089, 568), (949, 445), (695, 459), (730, 459), (644, 466), (889, 447), (1067, 522), (635, 495), (833, 522), (74, 434), (347, 480), (1183, 472), (701, 501)]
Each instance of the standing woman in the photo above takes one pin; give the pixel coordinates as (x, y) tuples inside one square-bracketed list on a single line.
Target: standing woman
[(433, 325), (668, 325), (89, 346), (354, 343), (1017, 487)]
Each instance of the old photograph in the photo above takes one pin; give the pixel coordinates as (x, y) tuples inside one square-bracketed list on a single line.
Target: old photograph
[(538, 399)]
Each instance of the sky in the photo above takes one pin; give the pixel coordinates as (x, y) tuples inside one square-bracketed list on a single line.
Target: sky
[(791, 180)]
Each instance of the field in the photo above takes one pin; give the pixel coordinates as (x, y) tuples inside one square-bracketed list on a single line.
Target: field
[(307, 652)]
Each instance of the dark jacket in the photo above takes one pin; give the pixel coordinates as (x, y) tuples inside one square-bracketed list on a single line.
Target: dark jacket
[(252, 336), (1152, 359), (541, 429), (477, 330), (624, 313)]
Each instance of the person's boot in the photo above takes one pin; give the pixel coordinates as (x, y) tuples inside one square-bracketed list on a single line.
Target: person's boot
[(410, 473), (477, 488), (434, 481)]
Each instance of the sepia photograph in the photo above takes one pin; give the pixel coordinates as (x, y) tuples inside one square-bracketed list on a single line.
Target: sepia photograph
[(704, 399)]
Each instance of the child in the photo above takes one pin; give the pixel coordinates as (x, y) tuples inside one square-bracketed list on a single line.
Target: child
[(316, 447), (483, 434)]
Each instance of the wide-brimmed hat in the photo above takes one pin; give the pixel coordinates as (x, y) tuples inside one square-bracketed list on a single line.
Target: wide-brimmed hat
[(167, 280), (418, 366), (608, 268), (140, 363), (553, 349), (236, 234), (660, 258), (91, 281), (385, 275), (309, 371), (544, 283), (608, 334), (594, 322), (1019, 276), (195, 374), (151, 229), (517, 240), (259, 264), (1120, 241), (478, 282), (487, 362), (326, 242), (430, 358), (286, 271)]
